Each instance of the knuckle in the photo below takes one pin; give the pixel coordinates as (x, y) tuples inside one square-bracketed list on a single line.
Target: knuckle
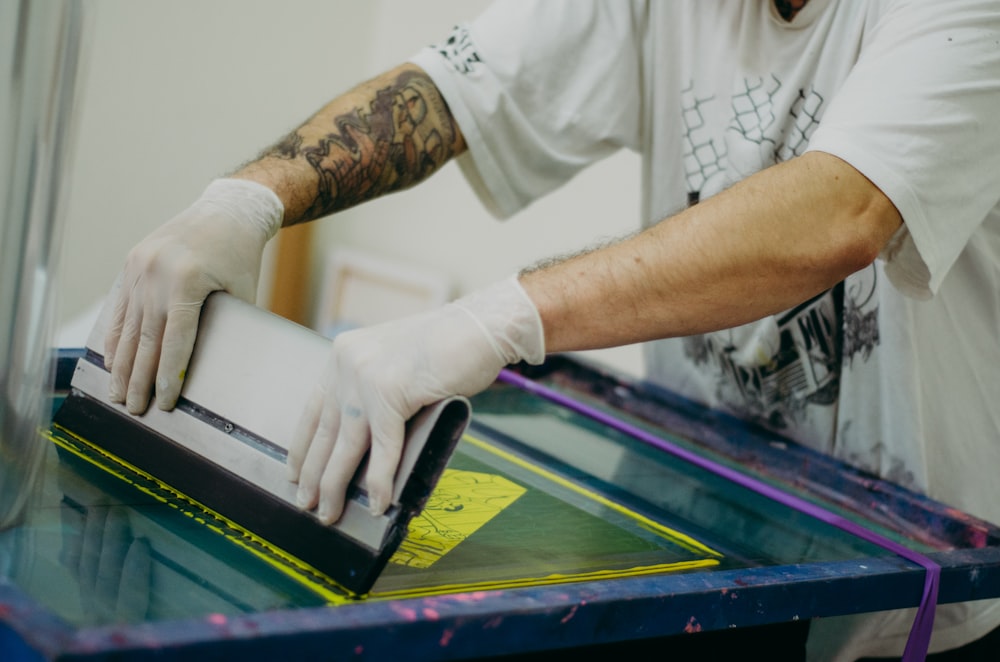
[(130, 327), (149, 337)]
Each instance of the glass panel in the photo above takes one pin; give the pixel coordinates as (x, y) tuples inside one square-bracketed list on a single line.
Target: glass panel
[(749, 529), (534, 495)]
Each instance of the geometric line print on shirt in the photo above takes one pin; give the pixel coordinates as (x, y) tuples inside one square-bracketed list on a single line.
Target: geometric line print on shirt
[(753, 120), (704, 154), (806, 111), (753, 109)]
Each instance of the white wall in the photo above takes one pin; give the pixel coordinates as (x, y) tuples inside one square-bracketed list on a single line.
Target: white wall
[(179, 92)]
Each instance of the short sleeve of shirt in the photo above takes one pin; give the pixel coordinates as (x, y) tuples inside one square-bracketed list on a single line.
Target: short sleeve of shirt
[(919, 115), (540, 90)]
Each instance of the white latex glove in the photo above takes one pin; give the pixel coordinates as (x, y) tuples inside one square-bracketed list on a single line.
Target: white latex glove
[(215, 244), (380, 376)]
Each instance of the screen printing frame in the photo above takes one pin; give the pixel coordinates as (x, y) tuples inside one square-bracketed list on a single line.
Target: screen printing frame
[(467, 624)]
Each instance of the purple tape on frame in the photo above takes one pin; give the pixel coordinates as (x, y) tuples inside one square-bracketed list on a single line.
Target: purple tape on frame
[(923, 623)]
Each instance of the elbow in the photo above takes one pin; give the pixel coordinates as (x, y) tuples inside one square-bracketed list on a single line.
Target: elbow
[(855, 220), (875, 225), (858, 249), (858, 252), (862, 232)]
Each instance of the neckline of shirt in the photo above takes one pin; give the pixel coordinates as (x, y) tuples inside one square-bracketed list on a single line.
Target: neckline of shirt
[(803, 19)]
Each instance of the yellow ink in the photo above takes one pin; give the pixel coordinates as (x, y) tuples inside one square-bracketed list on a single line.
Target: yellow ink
[(462, 502), (687, 542), (548, 580)]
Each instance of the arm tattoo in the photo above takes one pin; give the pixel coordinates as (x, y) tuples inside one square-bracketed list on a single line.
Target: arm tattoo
[(404, 135), (287, 148)]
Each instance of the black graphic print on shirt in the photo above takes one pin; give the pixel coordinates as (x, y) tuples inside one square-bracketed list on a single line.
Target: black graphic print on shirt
[(459, 50), (794, 361), (802, 368)]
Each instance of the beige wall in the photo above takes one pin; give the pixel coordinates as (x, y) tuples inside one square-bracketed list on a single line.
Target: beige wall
[(179, 92)]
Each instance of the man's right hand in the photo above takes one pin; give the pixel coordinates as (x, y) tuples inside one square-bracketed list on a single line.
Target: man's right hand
[(215, 244)]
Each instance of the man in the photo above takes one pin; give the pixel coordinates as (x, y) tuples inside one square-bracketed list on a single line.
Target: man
[(821, 252)]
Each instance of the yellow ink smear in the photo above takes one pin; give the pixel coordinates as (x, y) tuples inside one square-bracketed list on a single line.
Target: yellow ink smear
[(461, 503)]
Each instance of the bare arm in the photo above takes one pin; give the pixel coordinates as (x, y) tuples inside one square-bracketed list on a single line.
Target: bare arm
[(760, 247), (383, 136)]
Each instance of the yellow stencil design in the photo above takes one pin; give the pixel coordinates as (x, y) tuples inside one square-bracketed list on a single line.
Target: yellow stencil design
[(461, 503)]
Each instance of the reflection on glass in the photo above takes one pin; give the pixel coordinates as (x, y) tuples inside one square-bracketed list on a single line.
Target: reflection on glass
[(39, 49)]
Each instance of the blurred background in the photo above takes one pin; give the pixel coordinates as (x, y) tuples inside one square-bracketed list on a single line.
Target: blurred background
[(177, 93)]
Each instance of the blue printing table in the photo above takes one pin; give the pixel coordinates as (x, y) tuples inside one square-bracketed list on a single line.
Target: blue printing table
[(772, 580)]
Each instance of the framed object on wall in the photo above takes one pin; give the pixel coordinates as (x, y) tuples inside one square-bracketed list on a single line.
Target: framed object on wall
[(360, 288)]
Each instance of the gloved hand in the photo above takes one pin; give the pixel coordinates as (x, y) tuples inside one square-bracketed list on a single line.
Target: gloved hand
[(378, 377), (215, 244)]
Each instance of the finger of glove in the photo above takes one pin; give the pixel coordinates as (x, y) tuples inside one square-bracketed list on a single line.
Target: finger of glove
[(117, 533), (126, 347), (179, 334), (348, 452), (320, 449), (147, 358), (386, 449), (305, 430), (72, 540), (90, 554), (134, 591), (119, 301)]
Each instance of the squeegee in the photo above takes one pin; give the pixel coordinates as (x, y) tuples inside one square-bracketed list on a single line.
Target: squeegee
[(225, 444)]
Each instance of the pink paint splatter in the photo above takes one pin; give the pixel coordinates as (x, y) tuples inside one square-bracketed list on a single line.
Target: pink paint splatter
[(474, 596), (977, 538), (431, 614), (405, 612), (217, 619), (359, 649), (692, 626), (446, 637), (569, 616)]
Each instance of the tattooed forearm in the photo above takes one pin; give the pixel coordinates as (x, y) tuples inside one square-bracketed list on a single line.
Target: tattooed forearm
[(384, 136), (287, 148)]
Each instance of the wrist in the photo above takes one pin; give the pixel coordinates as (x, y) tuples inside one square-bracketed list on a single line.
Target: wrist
[(509, 318), (245, 201)]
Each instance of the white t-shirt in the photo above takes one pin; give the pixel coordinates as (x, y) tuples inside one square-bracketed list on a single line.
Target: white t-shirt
[(897, 370)]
